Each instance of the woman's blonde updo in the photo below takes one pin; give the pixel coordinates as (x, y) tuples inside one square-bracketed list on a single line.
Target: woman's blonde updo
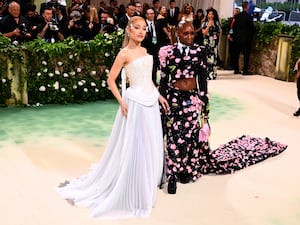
[(130, 23)]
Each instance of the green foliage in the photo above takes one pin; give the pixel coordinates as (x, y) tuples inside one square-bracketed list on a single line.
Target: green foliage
[(65, 72)]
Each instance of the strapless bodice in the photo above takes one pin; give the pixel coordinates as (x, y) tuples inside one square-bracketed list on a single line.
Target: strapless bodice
[(141, 87)]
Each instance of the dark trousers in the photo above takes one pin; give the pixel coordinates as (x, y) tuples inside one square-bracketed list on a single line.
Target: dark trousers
[(245, 49)]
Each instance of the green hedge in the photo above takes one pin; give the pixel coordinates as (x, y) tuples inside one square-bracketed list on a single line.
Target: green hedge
[(65, 72)]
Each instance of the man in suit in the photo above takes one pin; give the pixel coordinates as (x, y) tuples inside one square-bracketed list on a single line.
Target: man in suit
[(130, 10), (173, 13), (172, 19), (151, 42), (243, 30)]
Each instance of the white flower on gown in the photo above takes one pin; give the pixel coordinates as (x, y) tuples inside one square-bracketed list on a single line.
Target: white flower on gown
[(124, 182)]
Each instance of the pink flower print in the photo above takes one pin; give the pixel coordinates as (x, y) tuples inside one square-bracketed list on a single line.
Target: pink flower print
[(175, 127), (187, 124), (174, 99), (190, 118), (189, 169), (180, 141), (176, 152), (185, 72), (186, 110), (186, 57), (188, 135), (172, 146), (195, 59), (180, 112), (184, 103), (174, 169), (177, 60)]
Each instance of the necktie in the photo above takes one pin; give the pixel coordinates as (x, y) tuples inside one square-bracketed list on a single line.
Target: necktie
[(172, 12), (151, 29), (185, 50)]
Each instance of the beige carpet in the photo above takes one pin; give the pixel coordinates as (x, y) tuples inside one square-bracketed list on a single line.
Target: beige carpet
[(263, 194)]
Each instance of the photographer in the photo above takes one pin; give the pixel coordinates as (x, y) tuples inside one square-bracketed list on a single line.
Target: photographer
[(15, 26), (33, 17), (49, 29), (106, 23), (75, 26)]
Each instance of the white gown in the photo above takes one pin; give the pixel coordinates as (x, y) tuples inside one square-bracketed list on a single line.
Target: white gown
[(124, 182)]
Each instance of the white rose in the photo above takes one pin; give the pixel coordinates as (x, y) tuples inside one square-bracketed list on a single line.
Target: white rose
[(106, 54), (74, 86), (70, 56), (96, 90), (57, 72), (45, 70), (83, 81), (93, 84), (42, 88), (78, 70), (107, 71), (60, 63), (103, 84), (56, 85), (63, 89), (66, 75), (3, 80), (72, 73), (39, 74), (80, 83), (93, 72), (50, 74), (85, 89), (44, 63)]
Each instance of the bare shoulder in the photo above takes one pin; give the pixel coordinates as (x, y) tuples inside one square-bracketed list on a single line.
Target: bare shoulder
[(123, 55)]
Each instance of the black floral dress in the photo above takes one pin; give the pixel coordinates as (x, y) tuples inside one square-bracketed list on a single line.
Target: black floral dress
[(211, 41), (187, 148), (184, 152)]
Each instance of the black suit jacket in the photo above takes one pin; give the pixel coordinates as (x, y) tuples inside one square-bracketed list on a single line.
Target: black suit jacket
[(123, 21), (173, 20), (152, 48), (243, 28)]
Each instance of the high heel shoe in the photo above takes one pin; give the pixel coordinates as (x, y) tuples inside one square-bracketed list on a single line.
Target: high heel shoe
[(172, 186)]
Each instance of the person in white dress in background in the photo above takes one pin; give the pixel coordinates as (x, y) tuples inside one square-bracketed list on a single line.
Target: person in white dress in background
[(124, 182)]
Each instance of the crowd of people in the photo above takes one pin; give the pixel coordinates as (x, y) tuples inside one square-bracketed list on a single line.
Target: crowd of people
[(55, 21)]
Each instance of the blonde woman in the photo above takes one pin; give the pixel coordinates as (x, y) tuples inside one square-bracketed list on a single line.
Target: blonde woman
[(124, 183)]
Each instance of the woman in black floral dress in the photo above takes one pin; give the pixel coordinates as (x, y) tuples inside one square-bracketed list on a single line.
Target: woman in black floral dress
[(211, 30), (185, 124)]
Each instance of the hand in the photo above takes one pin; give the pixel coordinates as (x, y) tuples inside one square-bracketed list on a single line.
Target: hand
[(164, 104), (17, 32), (124, 108)]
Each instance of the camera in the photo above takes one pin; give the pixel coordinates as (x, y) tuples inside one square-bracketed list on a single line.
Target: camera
[(23, 29), (53, 26)]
